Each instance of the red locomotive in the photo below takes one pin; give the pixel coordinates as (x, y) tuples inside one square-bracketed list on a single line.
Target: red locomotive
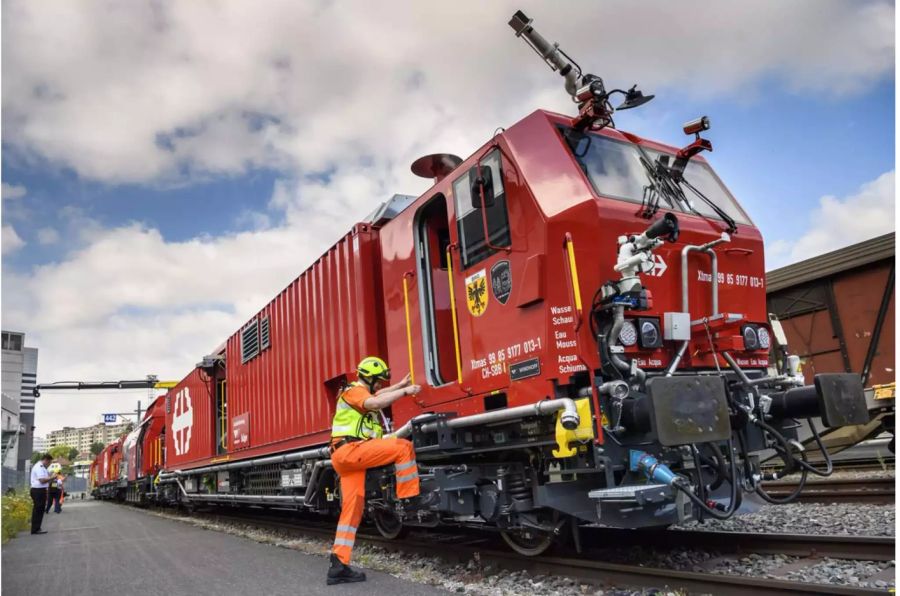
[(585, 310)]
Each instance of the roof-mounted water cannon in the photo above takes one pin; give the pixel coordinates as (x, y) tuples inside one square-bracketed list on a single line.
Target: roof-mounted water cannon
[(587, 90)]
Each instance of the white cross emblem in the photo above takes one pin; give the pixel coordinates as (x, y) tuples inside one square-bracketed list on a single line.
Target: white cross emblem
[(182, 421)]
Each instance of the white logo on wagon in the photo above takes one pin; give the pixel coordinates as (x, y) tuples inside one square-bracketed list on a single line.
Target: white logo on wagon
[(659, 266), (182, 421)]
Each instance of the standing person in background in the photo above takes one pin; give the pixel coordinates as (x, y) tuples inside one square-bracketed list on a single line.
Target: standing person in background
[(40, 478), (54, 488)]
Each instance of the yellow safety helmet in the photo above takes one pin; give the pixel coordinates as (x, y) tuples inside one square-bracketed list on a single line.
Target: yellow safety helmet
[(373, 368)]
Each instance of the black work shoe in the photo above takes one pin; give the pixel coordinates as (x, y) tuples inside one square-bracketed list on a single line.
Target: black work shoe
[(40, 532), (339, 573)]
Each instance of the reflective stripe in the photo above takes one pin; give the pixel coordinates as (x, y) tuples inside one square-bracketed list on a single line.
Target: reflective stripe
[(407, 477), (401, 467), (349, 422), (343, 542), (347, 529)]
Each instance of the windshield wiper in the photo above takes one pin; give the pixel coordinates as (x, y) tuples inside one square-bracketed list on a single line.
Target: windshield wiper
[(664, 183), (661, 184), (729, 221)]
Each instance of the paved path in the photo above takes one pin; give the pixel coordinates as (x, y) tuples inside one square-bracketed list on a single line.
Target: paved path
[(101, 549)]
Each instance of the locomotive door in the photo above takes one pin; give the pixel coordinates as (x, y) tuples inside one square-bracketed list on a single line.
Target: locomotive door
[(481, 276), (432, 241)]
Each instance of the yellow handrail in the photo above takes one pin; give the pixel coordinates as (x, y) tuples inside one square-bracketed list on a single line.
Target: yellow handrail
[(412, 375), (223, 438), (453, 315), (573, 272)]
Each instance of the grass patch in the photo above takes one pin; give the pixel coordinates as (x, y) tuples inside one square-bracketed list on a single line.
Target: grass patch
[(16, 515)]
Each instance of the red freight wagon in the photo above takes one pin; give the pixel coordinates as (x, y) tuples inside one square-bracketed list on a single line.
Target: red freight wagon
[(153, 439), (190, 435), (142, 452), (109, 464), (584, 310), (92, 475), (284, 368), (275, 384)]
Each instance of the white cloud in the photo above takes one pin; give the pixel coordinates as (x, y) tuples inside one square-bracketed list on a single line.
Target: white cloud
[(128, 303), (339, 99), (11, 240), (206, 88), (47, 236), (13, 191), (837, 222)]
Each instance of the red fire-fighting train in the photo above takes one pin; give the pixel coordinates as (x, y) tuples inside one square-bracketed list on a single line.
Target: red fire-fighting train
[(585, 310)]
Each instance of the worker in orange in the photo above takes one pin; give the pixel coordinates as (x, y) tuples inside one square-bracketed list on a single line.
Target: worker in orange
[(357, 445)]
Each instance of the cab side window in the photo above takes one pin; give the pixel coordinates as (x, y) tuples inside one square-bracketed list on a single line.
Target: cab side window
[(468, 191)]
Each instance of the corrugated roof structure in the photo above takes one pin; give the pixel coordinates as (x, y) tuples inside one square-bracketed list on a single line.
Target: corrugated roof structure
[(843, 259)]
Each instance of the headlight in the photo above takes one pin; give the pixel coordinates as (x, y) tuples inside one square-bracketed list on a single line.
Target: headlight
[(628, 334), (764, 340), (751, 340), (649, 337)]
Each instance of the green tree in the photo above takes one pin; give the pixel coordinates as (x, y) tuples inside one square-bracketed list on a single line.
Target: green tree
[(62, 452), (96, 448), (35, 457), (73, 453)]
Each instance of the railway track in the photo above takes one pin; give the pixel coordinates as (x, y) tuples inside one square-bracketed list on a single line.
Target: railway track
[(483, 548), (838, 490)]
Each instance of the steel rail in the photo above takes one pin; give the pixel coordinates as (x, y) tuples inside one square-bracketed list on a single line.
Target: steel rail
[(842, 490), (593, 571), (862, 548)]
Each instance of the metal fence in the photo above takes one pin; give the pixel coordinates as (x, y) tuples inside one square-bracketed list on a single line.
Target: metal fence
[(15, 479), (18, 480), (75, 485)]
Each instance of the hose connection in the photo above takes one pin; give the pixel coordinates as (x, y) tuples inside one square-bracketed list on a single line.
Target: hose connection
[(652, 468)]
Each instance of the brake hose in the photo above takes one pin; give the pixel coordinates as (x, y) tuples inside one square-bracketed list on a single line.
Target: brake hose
[(829, 466), (790, 461), (735, 501), (800, 485)]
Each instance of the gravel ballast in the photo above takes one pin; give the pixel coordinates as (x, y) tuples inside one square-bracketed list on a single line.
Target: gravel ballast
[(481, 579), (839, 519)]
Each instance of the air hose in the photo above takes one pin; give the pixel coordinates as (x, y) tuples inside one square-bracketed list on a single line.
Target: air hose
[(735, 501)]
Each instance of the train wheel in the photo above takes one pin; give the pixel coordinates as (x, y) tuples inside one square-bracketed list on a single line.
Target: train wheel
[(527, 541), (388, 524)]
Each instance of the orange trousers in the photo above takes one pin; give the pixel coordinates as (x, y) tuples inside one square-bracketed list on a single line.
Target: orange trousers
[(351, 462)]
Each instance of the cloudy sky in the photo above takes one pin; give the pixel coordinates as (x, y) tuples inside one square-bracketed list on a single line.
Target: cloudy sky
[(167, 167)]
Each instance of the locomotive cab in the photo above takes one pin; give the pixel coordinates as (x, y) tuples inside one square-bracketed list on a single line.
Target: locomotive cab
[(621, 275)]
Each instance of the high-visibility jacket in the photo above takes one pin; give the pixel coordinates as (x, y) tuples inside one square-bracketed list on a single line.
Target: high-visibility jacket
[(350, 422)]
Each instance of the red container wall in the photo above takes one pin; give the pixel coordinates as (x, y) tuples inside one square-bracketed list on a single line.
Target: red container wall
[(92, 482), (110, 460), (320, 326), (190, 435), (151, 447)]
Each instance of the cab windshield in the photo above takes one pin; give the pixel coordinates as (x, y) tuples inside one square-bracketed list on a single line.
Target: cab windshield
[(616, 171)]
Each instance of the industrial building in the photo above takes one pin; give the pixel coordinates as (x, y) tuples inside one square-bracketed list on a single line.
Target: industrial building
[(81, 438), (19, 373)]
